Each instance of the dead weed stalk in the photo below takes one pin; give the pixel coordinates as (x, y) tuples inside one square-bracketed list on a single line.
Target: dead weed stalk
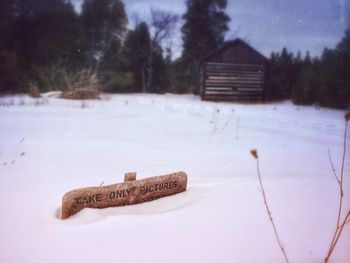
[(254, 153), (340, 180)]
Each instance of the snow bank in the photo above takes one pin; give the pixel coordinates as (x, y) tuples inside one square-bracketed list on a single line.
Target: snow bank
[(50, 146)]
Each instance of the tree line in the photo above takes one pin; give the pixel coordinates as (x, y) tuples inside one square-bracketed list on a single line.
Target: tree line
[(43, 44), (323, 81)]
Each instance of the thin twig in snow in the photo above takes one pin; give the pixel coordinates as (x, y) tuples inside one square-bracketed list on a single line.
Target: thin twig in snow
[(339, 231), (333, 168), (347, 221), (227, 122), (340, 225), (280, 243)]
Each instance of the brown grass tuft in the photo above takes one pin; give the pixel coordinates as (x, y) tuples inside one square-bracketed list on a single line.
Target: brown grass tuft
[(81, 94), (34, 91), (82, 86)]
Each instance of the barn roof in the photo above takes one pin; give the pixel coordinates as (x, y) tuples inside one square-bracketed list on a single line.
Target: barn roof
[(230, 44)]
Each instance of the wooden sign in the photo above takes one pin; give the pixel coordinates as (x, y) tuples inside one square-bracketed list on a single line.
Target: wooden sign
[(130, 192)]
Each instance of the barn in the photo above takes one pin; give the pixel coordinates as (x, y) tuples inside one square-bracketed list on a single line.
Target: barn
[(235, 72)]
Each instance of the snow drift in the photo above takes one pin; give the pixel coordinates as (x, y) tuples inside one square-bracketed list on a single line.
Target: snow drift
[(49, 146)]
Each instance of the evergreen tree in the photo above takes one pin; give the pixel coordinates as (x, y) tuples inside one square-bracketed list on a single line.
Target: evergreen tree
[(105, 55), (9, 69), (51, 30), (303, 92), (160, 81), (282, 71), (332, 75), (297, 69), (144, 53), (286, 75), (48, 34), (343, 49), (317, 78), (324, 81), (104, 26), (203, 32), (137, 57), (329, 78), (272, 83)]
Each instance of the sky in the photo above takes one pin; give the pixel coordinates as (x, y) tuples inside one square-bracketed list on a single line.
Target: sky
[(268, 25)]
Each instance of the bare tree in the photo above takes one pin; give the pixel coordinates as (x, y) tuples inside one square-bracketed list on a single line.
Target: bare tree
[(135, 19), (163, 24)]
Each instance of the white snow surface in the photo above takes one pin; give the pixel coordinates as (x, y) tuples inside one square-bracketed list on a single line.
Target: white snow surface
[(49, 146)]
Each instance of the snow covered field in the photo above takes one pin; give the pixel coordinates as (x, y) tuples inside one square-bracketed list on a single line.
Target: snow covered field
[(51, 146)]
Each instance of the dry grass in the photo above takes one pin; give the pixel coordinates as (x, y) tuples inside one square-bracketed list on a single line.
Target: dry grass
[(82, 86), (81, 94), (34, 91)]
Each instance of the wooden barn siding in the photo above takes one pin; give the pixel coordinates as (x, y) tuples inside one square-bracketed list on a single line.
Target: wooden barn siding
[(229, 81)]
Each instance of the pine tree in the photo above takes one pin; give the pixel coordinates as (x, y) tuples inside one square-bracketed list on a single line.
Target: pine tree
[(137, 57), (333, 75), (106, 54), (303, 91), (203, 32), (272, 85), (330, 79), (286, 73), (144, 56), (9, 68), (48, 34), (343, 49), (160, 81), (104, 27)]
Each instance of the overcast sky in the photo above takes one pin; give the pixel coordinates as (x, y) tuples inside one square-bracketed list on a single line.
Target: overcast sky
[(270, 25)]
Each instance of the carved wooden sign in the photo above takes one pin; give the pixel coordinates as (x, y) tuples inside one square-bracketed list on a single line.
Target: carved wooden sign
[(130, 192)]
